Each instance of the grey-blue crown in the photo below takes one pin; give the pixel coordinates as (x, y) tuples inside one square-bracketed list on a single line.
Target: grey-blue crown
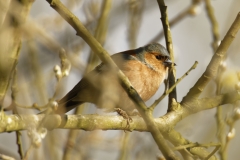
[(156, 47)]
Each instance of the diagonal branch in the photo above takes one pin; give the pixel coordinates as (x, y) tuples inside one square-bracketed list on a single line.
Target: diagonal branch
[(212, 67), (170, 89)]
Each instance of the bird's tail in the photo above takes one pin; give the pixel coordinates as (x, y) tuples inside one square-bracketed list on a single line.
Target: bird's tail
[(63, 107), (67, 106)]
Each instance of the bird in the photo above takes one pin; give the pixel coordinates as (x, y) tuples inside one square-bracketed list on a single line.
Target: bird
[(146, 68)]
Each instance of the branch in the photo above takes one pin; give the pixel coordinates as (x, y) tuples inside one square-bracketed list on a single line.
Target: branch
[(214, 23), (90, 123), (176, 138), (191, 10), (212, 68), (180, 111), (212, 102), (10, 48), (221, 69), (135, 14), (170, 89), (191, 145), (4, 5), (169, 45), (93, 122)]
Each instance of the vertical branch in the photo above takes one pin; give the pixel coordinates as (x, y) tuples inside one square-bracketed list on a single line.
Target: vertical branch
[(135, 9), (214, 23), (189, 11), (19, 143), (231, 120), (10, 41), (4, 5), (219, 114), (169, 45), (124, 147), (13, 95), (35, 67), (221, 69), (100, 35)]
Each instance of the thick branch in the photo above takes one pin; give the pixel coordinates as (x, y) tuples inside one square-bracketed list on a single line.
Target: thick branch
[(93, 122)]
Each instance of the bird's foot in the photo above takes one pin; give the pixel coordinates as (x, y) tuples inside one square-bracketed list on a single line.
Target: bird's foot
[(125, 116)]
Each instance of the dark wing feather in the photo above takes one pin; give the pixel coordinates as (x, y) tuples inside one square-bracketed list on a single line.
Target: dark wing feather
[(73, 98)]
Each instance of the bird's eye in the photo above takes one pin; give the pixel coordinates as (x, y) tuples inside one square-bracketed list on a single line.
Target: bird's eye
[(160, 57)]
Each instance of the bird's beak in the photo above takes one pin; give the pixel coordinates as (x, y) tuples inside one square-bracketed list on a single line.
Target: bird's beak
[(168, 63)]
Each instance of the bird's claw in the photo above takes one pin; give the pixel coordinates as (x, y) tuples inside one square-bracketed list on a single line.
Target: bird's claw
[(125, 116)]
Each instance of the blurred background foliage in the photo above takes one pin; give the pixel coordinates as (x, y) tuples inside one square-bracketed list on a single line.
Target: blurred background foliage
[(118, 26)]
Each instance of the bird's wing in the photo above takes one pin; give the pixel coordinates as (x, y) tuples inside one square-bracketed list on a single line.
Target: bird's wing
[(88, 83), (81, 85)]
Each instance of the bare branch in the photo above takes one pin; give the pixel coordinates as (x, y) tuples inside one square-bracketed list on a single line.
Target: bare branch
[(212, 68), (168, 38)]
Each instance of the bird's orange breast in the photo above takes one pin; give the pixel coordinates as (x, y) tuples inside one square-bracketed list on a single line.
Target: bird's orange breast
[(144, 79)]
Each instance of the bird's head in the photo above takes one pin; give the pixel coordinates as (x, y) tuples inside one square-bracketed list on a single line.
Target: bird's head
[(155, 56)]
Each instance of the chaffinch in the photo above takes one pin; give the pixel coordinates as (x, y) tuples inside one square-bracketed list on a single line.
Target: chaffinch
[(145, 67)]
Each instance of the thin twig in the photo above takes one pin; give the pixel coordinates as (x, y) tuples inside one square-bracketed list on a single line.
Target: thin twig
[(5, 157), (135, 10), (17, 14), (197, 145), (214, 23), (124, 146), (230, 120), (19, 144), (212, 68), (215, 43), (180, 16), (14, 110), (213, 152), (219, 113), (170, 89), (221, 131), (26, 156)]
